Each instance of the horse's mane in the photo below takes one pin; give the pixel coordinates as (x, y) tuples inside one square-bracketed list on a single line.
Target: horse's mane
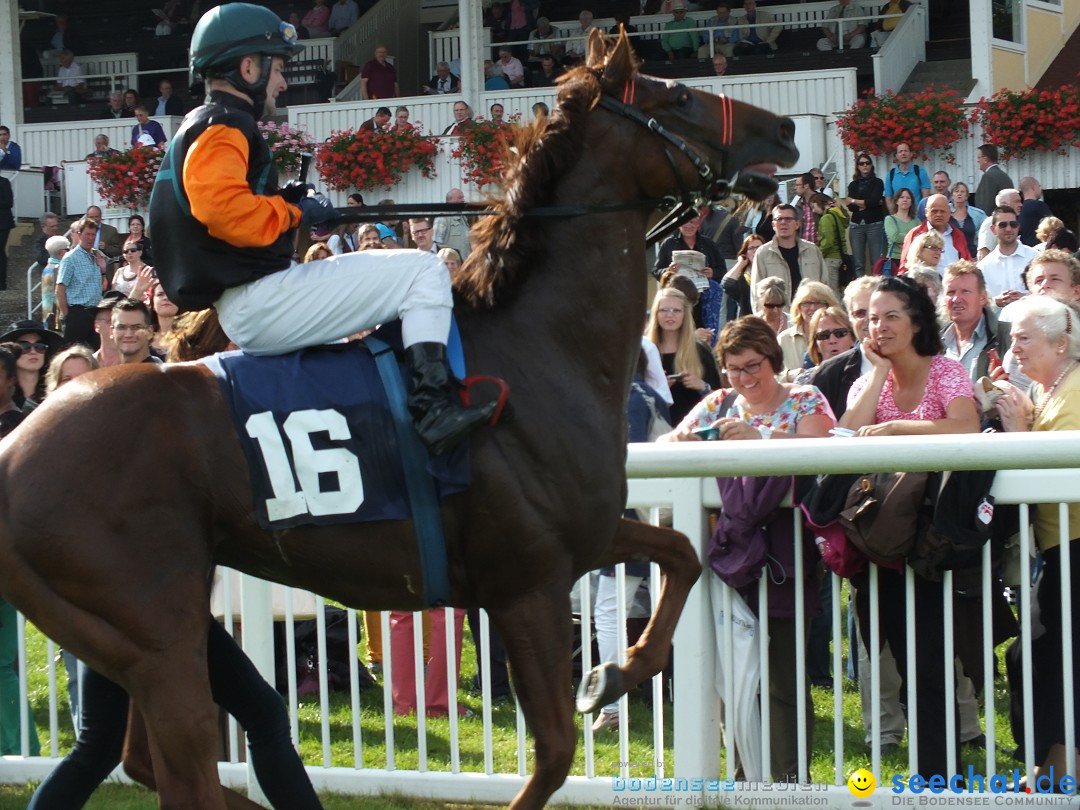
[(541, 153)]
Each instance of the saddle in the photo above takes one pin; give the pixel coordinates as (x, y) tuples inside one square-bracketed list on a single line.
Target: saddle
[(328, 439)]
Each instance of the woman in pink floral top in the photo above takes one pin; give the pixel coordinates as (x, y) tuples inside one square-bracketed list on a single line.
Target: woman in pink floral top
[(911, 390), (759, 407), (762, 408)]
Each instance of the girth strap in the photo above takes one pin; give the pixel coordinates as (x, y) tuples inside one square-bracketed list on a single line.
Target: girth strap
[(420, 486)]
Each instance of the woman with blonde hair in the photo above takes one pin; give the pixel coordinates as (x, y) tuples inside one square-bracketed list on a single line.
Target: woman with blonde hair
[(69, 364), (771, 294), (925, 252), (1048, 226), (451, 258), (689, 364), (794, 341), (317, 252)]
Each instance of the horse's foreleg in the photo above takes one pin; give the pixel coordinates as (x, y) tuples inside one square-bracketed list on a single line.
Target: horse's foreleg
[(139, 766), (536, 632), (641, 542)]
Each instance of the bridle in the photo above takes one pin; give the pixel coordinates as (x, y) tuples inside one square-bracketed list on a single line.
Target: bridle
[(684, 207), (677, 209)]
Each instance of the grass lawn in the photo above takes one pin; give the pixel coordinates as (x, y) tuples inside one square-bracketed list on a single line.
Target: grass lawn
[(504, 734)]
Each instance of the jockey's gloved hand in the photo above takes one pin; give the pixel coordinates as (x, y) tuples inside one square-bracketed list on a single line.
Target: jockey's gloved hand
[(316, 210), (294, 191)]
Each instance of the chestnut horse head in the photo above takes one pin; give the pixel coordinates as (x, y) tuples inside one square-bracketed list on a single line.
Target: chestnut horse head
[(552, 302)]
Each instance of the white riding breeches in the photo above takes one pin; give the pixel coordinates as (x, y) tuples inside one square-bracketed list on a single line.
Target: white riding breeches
[(324, 301)]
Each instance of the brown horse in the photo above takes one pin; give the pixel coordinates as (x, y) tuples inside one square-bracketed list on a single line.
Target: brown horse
[(118, 569)]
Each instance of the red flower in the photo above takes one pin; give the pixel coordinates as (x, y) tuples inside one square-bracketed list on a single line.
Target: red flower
[(929, 120), (367, 160), (1021, 121)]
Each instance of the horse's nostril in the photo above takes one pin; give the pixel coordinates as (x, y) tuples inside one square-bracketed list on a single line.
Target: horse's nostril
[(787, 130)]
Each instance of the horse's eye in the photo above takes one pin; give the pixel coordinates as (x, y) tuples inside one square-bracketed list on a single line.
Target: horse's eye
[(684, 99)]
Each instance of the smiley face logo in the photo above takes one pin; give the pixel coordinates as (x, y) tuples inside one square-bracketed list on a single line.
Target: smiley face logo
[(862, 783)]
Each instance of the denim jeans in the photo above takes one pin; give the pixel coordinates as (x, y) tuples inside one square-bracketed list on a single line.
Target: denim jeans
[(863, 235)]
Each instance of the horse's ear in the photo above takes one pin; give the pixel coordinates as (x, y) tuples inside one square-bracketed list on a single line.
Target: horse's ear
[(621, 63), (596, 50)]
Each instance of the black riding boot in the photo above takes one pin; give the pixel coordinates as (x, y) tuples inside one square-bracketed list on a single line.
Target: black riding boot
[(440, 420)]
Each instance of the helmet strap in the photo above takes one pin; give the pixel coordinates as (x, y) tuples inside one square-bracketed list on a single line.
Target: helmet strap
[(255, 91)]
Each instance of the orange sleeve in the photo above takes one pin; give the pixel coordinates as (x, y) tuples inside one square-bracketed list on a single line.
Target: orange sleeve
[(215, 178)]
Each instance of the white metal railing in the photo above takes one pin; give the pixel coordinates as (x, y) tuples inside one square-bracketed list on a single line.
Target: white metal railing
[(121, 69), (903, 50), (1034, 468), (54, 144), (32, 287)]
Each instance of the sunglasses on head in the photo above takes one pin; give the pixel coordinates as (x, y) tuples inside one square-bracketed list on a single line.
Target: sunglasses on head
[(825, 334), (36, 346)]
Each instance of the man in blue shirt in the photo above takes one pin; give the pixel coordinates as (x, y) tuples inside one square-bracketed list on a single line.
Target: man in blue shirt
[(905, 175), (10, 152), (79, 284)]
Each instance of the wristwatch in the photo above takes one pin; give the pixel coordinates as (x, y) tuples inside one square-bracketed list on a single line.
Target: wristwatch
[(766, 432)]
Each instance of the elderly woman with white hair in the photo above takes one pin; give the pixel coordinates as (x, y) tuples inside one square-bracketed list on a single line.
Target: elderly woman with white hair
[(56, 247), (1046, 342)]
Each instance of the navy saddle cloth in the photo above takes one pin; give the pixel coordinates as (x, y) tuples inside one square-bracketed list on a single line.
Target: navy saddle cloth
[(320, 438)]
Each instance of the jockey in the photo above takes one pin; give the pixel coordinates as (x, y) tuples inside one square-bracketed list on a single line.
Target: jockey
[(224, 231)]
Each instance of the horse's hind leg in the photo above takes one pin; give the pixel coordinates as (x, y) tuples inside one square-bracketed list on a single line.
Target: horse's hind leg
[(536, 632), (173, 695), (637, 542), (139, 766)]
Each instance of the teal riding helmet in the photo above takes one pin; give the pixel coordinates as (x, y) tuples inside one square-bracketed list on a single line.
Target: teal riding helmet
[(227, 33)]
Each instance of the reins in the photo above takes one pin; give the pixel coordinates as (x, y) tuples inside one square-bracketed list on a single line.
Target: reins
[(678, 209)]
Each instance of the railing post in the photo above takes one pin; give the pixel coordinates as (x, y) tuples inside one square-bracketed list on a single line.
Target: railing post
[(696, 714)]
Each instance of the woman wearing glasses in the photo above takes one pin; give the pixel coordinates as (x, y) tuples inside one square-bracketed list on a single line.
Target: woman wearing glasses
[(689, 365), (133, 278), (866, 201), (38, 345), (758, 407), (925, 252)]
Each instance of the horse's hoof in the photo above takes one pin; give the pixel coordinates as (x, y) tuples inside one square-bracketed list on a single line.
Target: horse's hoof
[(600, 687)]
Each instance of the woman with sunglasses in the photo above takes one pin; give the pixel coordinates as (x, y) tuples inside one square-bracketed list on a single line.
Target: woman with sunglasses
[(772, 296), (866, 201), (38, 345), (925, 252), (133, 278), (831, 333)]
